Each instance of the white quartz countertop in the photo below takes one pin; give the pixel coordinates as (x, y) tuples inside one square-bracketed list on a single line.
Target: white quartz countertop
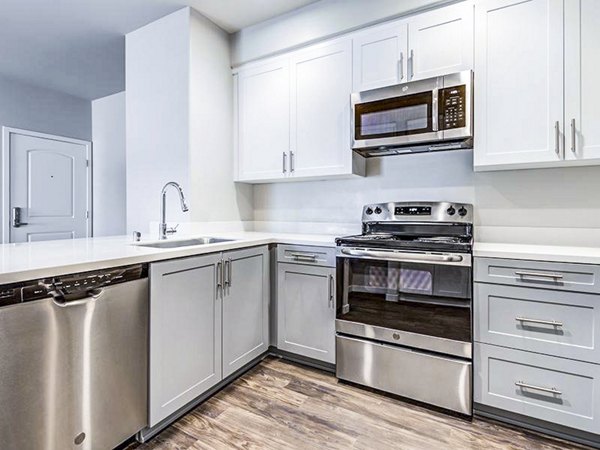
[(27, 261), (583, 255)]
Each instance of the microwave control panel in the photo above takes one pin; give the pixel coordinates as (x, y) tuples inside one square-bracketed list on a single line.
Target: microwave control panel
[(452, 105)]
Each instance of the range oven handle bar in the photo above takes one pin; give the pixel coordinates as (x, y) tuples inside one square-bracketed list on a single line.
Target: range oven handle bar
[(406, 256)]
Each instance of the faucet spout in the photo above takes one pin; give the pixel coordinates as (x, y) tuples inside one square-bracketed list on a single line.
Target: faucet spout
[(163, 207)]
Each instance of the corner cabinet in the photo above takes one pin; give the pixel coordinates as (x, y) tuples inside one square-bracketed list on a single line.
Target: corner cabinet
[(536, 95), (293, 117), (208, 318)]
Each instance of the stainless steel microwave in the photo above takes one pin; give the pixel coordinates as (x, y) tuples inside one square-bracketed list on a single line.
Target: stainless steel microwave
[(426, 115)]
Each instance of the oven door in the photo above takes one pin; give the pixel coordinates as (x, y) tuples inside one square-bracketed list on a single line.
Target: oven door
[(418, 300)]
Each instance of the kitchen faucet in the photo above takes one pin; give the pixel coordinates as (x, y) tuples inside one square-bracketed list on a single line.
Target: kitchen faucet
[(163, 230)]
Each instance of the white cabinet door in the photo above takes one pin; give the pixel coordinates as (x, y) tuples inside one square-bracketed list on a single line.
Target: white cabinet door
[(441, 41), (185, 333), (245, 307), (263, 116), (321, 84), (582, 72), (518, 84), (380, 57), (306, 311)]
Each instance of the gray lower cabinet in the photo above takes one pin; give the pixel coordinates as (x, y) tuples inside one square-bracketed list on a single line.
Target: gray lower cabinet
[(306, 310), (245, 307), (185, 333)]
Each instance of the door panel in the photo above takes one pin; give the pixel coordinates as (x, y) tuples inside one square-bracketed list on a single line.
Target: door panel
[(185, 342), (245, 307), (519, 83), (321, 83), (264, 120), (49, 182), (441, 42), (306, 311), (380, 57), (582, 72)]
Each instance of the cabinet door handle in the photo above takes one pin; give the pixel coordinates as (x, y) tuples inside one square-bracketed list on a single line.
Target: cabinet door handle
[(331, 291), (553, 323), (229, 265), (401, 67), (284, 170), (291, 161), (553, 276), (553, 390), (219, 275), (573, 137), (557, 137), (411, 60), (305, 256)]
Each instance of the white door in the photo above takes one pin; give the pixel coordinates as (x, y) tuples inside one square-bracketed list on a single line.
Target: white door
[(518, 83), (441, 41), (245, 307), (380, 57), (321, 84), (306, 311), (582, 72), (49, 187), (263, 121)]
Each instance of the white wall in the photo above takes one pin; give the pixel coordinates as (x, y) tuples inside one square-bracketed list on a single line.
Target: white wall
[(109, 182), (157, 95), (36, 109), (214, 196), (317, 21)]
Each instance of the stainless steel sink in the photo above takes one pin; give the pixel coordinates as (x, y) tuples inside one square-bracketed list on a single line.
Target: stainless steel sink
[(184, 242)]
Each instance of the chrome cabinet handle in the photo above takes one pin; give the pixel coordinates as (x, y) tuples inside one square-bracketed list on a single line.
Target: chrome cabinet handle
[(284, 170), (331, 290), (573, 136), (401, 67), (304, 256), (411, 60), (292, 162), (557, 137), (553, 276), (229, 266), (553, 323), (219, 275), (17, 218), (553, 390)]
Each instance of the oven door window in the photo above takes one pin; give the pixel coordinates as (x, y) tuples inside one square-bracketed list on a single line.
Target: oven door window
[(420, 298), (399, 116)]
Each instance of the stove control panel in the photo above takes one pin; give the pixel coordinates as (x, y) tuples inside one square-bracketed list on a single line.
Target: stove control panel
[(418, 212)]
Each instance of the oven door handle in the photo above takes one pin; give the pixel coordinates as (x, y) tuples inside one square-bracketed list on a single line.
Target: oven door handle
[(405, 256)]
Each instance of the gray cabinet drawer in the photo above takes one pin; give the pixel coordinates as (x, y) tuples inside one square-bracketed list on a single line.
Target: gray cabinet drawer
[(304, 254), (547, 388), (565, 324), (538, 274)]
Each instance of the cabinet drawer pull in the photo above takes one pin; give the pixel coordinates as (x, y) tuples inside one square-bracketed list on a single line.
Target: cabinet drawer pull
[(553, 276), (521, 384), (553, 323), (304, 256)]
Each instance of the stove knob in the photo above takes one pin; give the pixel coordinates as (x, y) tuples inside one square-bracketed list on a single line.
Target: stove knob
[(378, 210), (369, 211), (451, 211), (462, 212)]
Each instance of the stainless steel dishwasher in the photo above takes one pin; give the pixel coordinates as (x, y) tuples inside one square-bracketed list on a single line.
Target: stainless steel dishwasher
[(73, 360)]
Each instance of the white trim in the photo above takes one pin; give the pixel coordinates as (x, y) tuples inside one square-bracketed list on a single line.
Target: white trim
[(6, 132)]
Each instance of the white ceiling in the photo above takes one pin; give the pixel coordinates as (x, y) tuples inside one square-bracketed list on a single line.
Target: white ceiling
[(77, 46)]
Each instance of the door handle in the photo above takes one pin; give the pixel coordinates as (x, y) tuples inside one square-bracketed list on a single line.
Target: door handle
[(331, 291), (291, 161), (17, 217), (401, 67), (573, 137), (411, 60), (219, 276), (284, 168), (557, 137)]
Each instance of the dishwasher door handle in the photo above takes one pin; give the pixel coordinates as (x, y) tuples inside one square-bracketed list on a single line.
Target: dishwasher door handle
[(59, 300)]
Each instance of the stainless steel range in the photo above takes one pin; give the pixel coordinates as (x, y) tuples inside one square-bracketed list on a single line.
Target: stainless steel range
[(404, 303)]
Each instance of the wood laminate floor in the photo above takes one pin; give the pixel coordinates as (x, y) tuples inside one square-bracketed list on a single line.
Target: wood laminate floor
[(281, 405)]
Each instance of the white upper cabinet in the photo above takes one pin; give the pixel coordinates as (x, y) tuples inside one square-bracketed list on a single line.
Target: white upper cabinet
[(263, 115), (440, 42), (321, 84), (380, 56), (582, 72), (518, 84)]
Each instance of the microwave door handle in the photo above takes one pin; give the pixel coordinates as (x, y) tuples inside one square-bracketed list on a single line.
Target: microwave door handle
[(404, 256)]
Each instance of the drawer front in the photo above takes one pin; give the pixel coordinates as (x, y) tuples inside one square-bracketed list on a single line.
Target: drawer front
[(556, 323), (304, 254), (555, 390), (538, 274)]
